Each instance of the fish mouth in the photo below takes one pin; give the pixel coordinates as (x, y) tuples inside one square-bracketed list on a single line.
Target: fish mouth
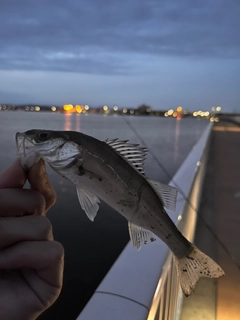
[(23, 144), (30, 152), (26, 150)]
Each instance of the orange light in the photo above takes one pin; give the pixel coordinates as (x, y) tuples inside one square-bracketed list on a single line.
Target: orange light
[(68, 107), (179, 109), (79, 109)]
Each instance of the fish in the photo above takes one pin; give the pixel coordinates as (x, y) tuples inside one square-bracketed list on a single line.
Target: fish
[(113, 171)]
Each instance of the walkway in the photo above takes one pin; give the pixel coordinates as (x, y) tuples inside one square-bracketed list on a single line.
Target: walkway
[(220, 209)]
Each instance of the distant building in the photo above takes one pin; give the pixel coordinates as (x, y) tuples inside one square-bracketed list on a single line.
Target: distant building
[(144, 109)]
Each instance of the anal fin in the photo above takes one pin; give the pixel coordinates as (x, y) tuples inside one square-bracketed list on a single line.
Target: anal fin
[(139, 236)]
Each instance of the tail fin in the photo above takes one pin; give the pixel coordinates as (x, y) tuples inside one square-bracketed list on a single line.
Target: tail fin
[(197, 264)]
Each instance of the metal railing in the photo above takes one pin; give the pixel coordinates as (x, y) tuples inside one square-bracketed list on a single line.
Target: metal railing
[(167, 300), (129, 289)]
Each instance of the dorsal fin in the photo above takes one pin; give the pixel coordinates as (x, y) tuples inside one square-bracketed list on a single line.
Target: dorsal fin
[(134, 154), (167, 194)]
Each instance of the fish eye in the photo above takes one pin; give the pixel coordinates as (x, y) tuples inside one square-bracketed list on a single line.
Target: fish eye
[(43, 135)]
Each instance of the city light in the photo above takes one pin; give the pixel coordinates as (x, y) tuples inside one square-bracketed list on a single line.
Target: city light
[(79, 109), (68, 107), (179, 109), (213, 119), (177, 113), (105, 108)]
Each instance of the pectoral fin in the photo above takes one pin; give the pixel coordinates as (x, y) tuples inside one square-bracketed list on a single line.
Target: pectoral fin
[(139, 236), (88, 201), (167, 194)]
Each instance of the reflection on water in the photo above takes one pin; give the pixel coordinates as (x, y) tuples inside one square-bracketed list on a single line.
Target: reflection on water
[(67, 121), (176, 140), (77, 122)]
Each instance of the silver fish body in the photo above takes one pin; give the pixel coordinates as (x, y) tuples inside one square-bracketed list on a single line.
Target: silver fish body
[(113, 172)]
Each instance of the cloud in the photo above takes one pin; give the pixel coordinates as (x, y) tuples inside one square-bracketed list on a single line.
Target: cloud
[(12, 97), (107, 37)]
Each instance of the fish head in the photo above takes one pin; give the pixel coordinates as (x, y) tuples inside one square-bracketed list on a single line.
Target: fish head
[(55, 147)]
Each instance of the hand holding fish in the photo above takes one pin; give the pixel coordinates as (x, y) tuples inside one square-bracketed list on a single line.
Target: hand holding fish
[(31, 263)]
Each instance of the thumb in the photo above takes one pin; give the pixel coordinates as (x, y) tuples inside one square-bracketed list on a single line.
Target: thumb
[(38, 179), (13, 177)]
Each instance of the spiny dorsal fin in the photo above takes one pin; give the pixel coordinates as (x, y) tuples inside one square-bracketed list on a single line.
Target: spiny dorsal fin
[(167, 194), (139, 236), (131, 152)]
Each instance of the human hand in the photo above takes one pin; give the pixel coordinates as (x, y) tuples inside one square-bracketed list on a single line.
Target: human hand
[(31, 263)]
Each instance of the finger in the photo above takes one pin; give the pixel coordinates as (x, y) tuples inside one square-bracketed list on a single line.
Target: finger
[(27, 228), (19, 202), (46, 257), (38, 180), (13, 177)]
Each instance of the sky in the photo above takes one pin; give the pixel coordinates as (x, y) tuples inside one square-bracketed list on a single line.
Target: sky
[(163, 53)]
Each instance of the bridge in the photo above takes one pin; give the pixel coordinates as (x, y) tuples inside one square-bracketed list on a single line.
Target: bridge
[(144, 286)]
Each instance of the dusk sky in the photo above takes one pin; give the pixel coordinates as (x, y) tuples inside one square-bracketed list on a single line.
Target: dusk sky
[(124, 52)]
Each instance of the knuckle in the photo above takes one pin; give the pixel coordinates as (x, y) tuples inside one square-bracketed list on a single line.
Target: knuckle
[(57, 251), (40, 203), (52, 197), (44, 226)]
